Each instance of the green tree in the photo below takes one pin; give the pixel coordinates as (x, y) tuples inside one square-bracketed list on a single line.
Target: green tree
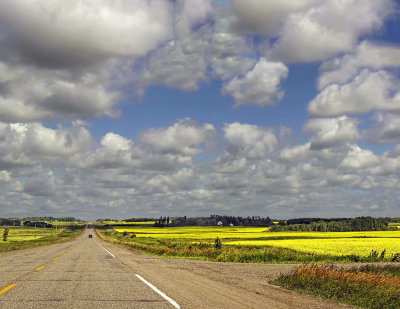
[(5, 234)]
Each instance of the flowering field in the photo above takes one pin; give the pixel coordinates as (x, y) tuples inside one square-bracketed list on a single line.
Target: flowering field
[(198, 232), (332, 243), (332, 246)]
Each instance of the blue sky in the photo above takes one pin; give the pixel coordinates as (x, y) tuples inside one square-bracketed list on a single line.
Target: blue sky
[(136, 108)]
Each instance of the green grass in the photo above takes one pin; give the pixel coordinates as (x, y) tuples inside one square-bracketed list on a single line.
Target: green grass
[(27, 239), (371, 287)]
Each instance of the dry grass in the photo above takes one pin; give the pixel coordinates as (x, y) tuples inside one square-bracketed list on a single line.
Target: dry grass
[(366, 288), (332, 273)]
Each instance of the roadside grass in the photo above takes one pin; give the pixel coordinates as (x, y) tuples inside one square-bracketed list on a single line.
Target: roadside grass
[(44, 236), (366, 287), (386, 269), (206, 250)]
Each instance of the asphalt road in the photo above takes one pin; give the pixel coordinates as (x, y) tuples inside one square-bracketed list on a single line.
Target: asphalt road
[(89, 273)]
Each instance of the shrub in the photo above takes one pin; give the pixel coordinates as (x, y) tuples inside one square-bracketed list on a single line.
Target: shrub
[(218, 243), (5, 234)]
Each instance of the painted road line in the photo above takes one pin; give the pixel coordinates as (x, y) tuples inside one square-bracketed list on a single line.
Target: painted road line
[(56, 258), (163, 295), (106, 250), (39, 268), (6, 288)]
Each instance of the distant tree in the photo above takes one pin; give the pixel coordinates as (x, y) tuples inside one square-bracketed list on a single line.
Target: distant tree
[(5, 234)]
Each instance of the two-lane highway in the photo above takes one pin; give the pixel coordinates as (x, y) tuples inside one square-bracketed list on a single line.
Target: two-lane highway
[(90, 273), (77, 274)]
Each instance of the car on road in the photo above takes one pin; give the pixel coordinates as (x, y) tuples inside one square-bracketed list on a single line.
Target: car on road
[(90, 236)]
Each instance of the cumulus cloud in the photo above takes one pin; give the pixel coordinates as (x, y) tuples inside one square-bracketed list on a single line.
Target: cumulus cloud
[(158, 174), (63, 61), (260, 86), (225, 56), (368, 55), (179, 64), (328, 28), (88, 29), (59, 60), (368, 91), (327, 132), (29, 144), (191, 14), (250, 140), (32, 95), (266, 17), (183, 137), (358, 158), (300, 152), (386, 129)]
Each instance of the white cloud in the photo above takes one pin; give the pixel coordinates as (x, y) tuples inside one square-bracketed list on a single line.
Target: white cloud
[(191, 14), (386, 130), (58, 60), (266, 16), (116, 142), (250, 140), (90, 29), (260, 86), (358, 158), (31, 94), (328, 132), (368, 55), (225, 56), (30, 144), (367, 92), (178, 64), (184, 137), (63, 61), (300, 152), (328, 28)]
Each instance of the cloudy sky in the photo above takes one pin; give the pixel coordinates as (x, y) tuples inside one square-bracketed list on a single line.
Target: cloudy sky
[(133, 108)]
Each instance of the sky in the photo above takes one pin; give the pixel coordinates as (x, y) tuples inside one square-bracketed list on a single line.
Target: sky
[(148, 108)]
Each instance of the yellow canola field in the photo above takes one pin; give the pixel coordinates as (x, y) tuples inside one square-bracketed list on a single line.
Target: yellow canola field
[(197, 232), (334, 246), (242, 232), (333, 243)]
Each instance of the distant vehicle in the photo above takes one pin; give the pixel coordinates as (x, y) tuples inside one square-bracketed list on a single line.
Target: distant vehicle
[(90, 236)]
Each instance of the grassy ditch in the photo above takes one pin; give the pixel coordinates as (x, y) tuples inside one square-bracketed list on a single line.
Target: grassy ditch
[(211, 251), (65, 235), (366, 287)]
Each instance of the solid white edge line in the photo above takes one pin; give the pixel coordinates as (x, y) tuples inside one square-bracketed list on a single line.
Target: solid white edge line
[(106, 250), (170, 300)]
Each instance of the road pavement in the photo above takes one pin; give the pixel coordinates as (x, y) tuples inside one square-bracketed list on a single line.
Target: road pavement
[(90, 273)]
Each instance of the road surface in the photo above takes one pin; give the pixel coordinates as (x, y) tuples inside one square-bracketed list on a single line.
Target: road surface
[(90, 273)]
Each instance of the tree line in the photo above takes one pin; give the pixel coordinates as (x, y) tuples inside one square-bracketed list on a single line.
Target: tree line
[(328, 225), (10, 222), (215, 220)]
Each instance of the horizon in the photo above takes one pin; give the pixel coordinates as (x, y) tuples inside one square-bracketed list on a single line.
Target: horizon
[(140, 108)]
